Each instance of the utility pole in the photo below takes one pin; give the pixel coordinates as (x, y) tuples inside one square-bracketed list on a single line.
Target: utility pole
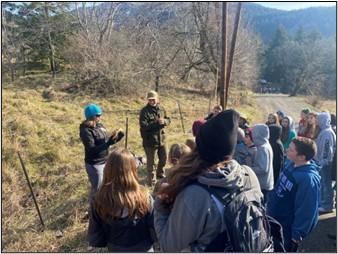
[(50, 44), (222, 76), (232, 51)]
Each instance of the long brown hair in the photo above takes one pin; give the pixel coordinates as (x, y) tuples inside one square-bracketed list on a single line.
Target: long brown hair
[(311, 130), (120, 188), (285, 131), (185, 172)]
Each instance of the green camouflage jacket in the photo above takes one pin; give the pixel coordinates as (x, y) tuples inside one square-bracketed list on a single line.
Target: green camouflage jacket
[(152, 132)]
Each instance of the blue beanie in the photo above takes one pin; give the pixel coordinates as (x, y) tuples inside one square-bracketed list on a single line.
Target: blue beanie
[(280, 113), (92, 110)]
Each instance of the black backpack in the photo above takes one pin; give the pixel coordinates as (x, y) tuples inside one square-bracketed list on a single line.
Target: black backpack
[(248, 228)]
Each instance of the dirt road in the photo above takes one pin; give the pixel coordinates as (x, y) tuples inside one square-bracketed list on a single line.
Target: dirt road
[(271, 103)]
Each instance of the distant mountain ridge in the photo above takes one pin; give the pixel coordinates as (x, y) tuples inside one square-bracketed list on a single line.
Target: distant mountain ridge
[(262, 20), (265, 20)]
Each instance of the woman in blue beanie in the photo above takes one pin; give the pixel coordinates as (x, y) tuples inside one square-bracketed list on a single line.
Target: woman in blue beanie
[(96, 142)]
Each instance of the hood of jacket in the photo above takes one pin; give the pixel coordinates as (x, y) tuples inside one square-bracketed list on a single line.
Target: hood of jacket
[(260, 134), (291, 123), (275, 132), (312, 168), (324, 120), (228, 177)]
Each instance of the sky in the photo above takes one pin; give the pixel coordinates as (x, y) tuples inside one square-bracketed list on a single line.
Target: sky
[(294, 5)]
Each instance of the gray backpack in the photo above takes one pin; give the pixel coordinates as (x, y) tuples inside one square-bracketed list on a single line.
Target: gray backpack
[(248, 228)]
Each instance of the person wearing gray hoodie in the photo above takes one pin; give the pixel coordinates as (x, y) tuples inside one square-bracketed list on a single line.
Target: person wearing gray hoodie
[(263, 161), (186, 214), (326, 145)]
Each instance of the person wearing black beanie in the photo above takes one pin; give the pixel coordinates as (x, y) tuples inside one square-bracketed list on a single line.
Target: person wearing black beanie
[(217, 138), (186, 215)]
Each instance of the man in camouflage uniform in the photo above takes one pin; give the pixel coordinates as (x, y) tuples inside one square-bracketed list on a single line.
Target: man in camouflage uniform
[(153, 120)]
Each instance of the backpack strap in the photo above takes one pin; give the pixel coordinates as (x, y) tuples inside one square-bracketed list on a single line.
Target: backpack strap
[(224, 195), (222, 240)]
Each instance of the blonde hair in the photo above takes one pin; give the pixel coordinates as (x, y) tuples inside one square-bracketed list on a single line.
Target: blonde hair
[(177, 151), (120, 188)]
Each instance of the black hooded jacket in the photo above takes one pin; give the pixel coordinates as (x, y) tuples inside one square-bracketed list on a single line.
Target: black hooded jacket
[(277, 149), (126, 234), (95, 143)]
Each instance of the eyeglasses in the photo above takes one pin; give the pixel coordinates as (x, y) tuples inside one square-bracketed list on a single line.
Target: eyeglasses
[(98, 115)]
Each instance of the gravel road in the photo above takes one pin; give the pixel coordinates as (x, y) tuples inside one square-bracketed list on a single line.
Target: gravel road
[(271, 103)]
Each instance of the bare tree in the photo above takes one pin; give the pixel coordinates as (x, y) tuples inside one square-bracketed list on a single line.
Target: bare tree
[(203, 53)]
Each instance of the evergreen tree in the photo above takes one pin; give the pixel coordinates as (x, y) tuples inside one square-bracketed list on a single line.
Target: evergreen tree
[(275, 70)]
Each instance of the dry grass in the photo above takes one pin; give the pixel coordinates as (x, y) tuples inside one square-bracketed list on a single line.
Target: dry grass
[(46, 134)]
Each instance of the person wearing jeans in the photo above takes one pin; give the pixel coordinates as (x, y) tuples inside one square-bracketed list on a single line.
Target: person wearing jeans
[(96, 142)]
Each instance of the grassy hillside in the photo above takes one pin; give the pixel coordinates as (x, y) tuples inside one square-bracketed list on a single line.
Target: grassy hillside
[(47, 136)]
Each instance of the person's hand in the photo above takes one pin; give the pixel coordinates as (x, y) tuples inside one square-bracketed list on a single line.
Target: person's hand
[(119, 134), (161, 121), (114, 132)]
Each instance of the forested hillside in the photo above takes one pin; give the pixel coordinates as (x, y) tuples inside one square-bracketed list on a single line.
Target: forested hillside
[(119, 47), (266, 21)]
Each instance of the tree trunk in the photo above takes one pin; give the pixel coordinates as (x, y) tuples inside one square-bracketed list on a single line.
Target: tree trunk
[(50, 44)]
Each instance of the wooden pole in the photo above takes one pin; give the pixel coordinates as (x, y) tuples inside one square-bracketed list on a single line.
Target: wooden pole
[(179, 109), (232, 51), (126, 138), (216, 86), (222, 77), (31, 189)]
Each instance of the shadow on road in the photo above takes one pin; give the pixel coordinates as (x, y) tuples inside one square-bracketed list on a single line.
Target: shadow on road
[(324, 237)]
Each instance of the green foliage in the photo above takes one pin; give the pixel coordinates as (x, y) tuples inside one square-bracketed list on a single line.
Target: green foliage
[(301, 65), (25, 28)]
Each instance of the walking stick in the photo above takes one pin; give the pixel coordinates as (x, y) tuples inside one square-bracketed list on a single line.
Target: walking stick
[(30, 187), (126, 139)]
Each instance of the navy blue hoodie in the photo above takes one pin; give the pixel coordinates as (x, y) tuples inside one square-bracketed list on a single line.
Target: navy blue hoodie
[(295, 200)]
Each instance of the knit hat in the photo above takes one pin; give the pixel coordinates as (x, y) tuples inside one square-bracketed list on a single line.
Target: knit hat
[(216, 139), (280, 113), (306, 110), (92, 110), (196, 126)]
